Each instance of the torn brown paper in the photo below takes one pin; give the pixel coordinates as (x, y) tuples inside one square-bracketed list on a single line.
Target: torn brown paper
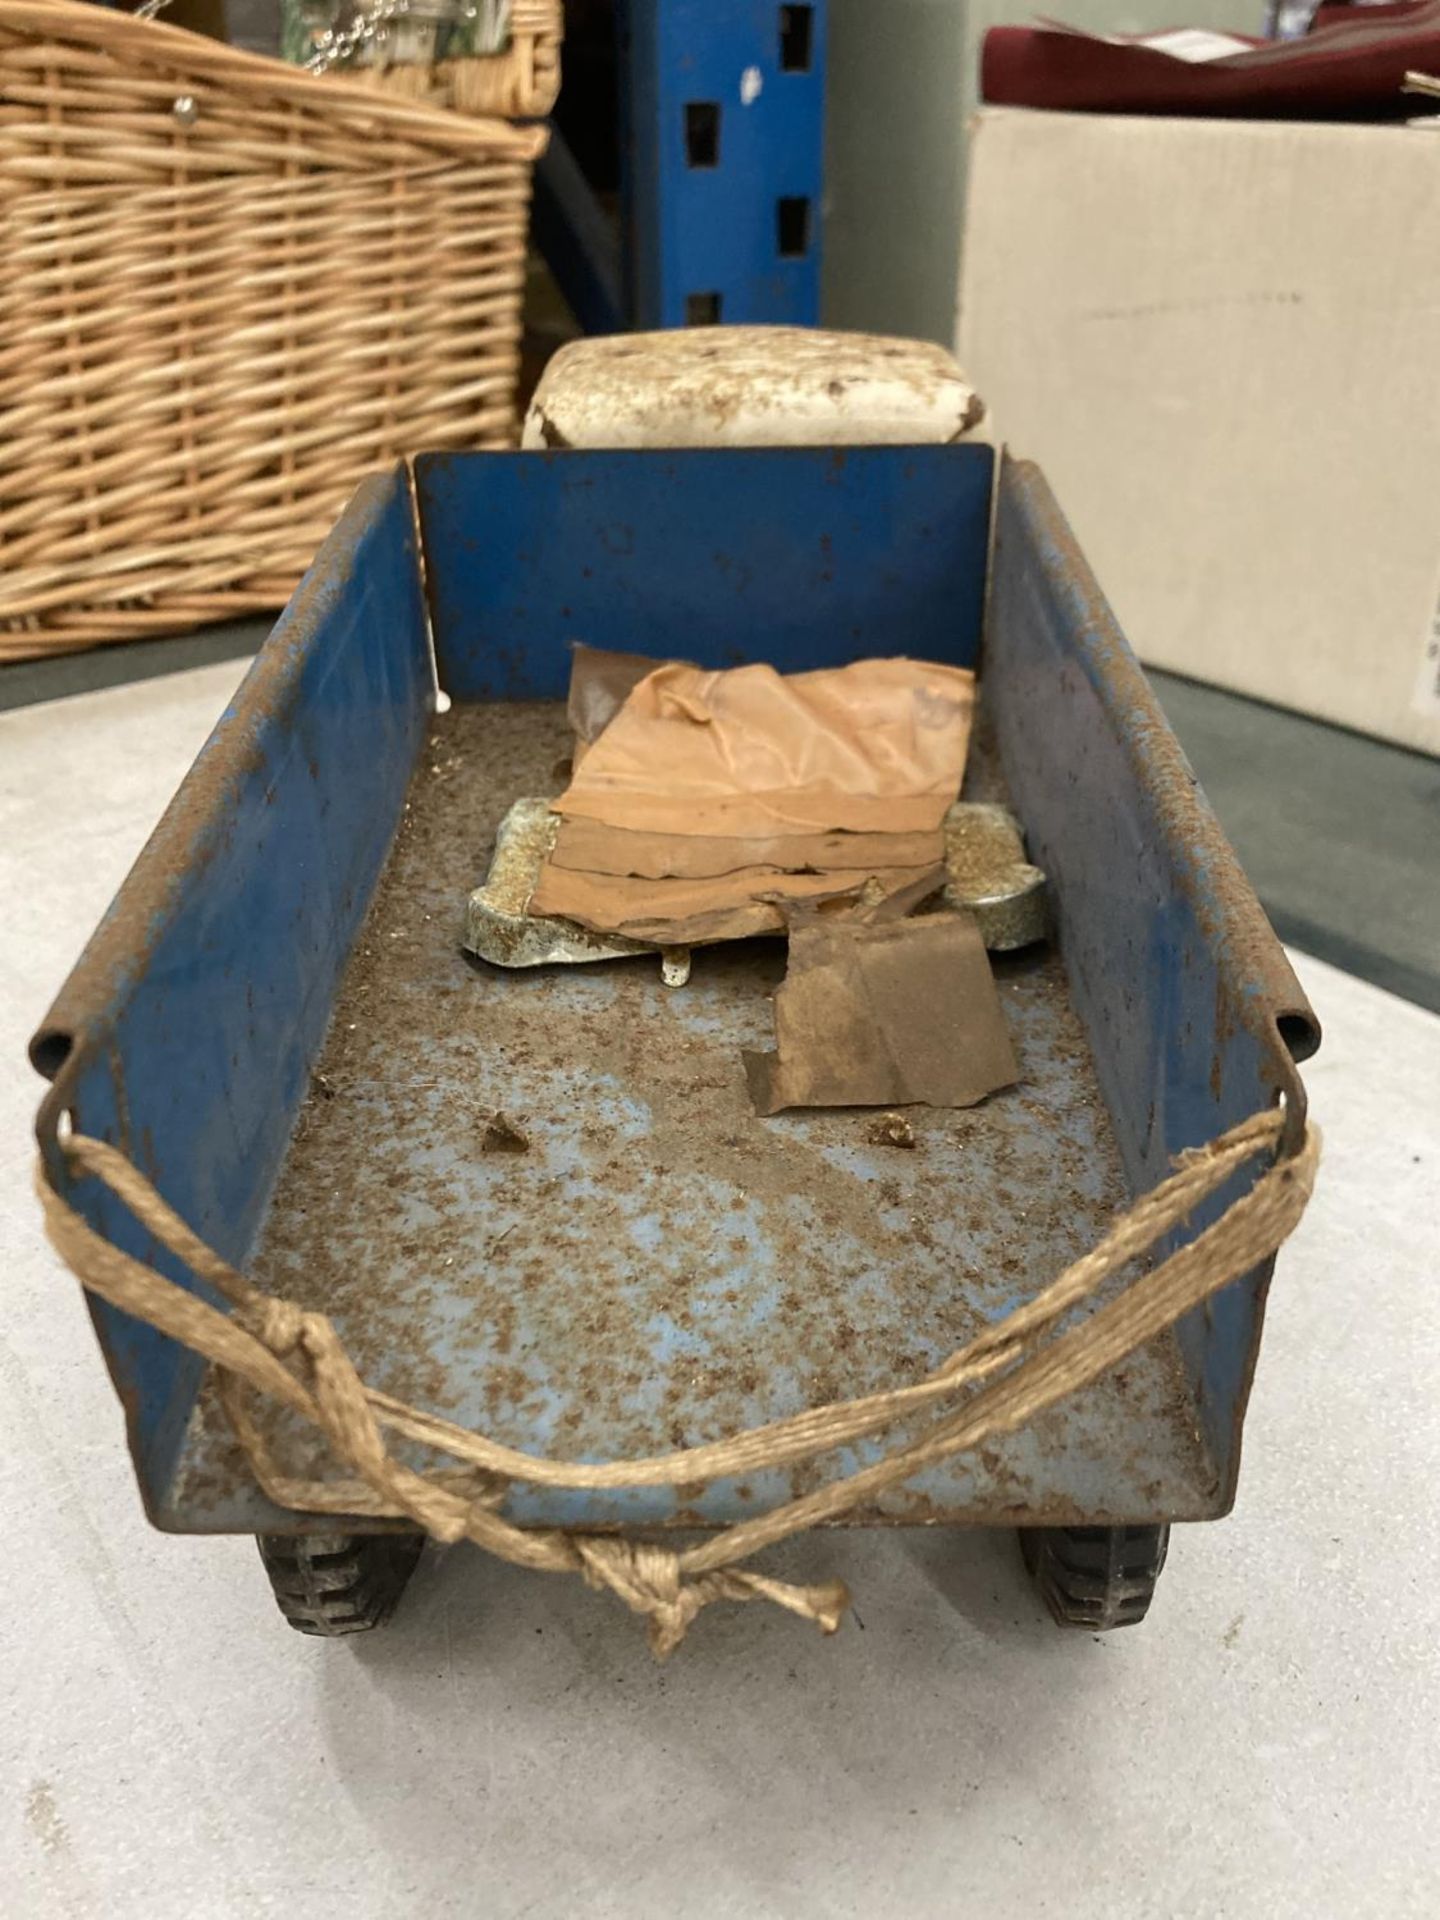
[(884, 1016), (875, 747), (732, 906), (588, 846)]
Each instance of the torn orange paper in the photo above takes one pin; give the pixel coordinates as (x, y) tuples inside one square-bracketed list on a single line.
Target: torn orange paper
[(731, 906), (876, 747), (588, 846)]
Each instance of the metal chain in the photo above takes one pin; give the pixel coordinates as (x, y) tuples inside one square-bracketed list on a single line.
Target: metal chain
[(338, 44), (491, 19)]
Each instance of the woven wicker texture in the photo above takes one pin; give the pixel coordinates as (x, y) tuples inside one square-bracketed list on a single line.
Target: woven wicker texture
[(212, 324), (524, 81)]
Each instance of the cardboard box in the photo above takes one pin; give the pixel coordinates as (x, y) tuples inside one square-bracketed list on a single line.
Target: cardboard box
[(901, 85), (1221, 339)]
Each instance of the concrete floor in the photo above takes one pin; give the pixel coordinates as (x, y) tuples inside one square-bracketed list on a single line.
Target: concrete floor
[(1264, 1745)]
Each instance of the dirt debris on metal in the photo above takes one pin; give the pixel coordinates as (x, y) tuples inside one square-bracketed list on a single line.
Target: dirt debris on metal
[(500, 1135), (660, 1267)]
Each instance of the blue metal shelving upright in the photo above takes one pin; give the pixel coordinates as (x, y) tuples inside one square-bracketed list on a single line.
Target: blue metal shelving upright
[(723, 103)]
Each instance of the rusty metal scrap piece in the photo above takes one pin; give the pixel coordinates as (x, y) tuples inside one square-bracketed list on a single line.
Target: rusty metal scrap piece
[(990, 877), (500, 928)]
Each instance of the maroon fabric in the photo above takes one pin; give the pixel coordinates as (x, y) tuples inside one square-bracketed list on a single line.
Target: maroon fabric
[(1353, 69), (1345, 13)]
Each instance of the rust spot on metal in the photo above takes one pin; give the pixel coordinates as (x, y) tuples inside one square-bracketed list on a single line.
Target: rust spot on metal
[(124, 1133), (503, 1136)]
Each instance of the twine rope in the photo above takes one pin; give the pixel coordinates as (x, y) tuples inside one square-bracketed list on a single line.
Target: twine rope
[(1016, 1368)]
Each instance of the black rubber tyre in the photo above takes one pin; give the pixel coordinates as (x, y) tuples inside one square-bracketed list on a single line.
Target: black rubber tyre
[(337, 1583), (1095, 1578)]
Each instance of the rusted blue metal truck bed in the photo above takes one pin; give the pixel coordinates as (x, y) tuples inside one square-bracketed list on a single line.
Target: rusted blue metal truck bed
[(278, 1023)]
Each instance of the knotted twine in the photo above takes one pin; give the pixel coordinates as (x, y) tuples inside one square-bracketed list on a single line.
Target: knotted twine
[(1017, 1367)]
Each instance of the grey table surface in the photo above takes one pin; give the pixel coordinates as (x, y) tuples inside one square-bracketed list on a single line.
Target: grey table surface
[(1264, 1745)]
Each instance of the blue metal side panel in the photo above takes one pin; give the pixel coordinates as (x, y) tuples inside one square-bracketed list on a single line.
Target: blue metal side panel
[(1185, 992), (804, 557), (714, 229), (188, 1030)]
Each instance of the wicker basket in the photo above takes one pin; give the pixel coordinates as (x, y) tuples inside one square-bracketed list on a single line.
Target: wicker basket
[(230, 289)]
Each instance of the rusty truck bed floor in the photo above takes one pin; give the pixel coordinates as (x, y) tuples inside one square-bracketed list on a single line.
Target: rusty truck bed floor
[(660, 1267)]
